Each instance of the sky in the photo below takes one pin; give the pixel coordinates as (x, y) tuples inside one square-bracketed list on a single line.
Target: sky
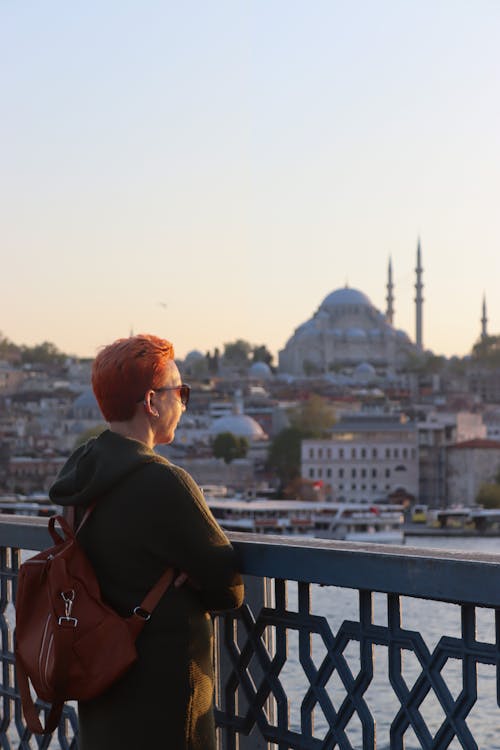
[(208, 171)]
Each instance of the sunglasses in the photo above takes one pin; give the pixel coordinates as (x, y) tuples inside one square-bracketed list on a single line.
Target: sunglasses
[(184, 391)]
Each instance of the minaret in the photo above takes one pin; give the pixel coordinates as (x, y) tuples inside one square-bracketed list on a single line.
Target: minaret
[(484, 321), (389, 313), (419, 300)]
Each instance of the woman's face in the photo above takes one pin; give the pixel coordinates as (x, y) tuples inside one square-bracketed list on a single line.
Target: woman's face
[(168, 404)]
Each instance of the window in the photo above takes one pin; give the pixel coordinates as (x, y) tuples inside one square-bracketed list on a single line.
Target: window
[(328, 473), (374, 487), (320, 452), (341, 453), (363, 472), (387, 452), (353, 486), (396, 452), (311, 453), (405, 452), (388, 472), (341, 473), (329, 453), (353, 452), (374, 453), (353, 473), (311, 473), (374, 472), (320, 473), (363, 453)]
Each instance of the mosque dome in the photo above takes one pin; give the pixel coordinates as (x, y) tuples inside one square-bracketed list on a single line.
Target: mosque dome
[(260, 370), (85, 406), (347, 331), (346, 297), (240, 425), (193, 356), (355, 334), (365, 370)]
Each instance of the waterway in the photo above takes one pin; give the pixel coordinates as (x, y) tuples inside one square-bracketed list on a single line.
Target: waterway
[(432, 620)]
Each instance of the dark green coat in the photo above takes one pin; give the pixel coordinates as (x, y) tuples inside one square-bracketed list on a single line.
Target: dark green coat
[(151, 515)]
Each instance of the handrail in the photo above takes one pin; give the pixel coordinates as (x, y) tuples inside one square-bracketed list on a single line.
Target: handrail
[(449, 576), (252, 705)]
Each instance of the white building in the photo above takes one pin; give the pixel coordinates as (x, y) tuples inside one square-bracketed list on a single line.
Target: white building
[(367, 458)]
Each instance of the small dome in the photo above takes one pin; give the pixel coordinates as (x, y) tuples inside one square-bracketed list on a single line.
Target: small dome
[(375, 333), (85, 406), (307, 329), (260, 370), (347, 297), (240, 425), (193, 356), (86, 400), (402, 335), (355, 333), (365, 368)]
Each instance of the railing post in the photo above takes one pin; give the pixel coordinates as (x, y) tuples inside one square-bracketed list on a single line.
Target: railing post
[(258, 594)]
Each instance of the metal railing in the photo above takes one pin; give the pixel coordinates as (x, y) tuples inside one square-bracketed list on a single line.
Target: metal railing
[(321, 654)]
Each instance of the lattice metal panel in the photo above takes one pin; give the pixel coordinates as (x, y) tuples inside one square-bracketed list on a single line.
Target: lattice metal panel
[(13, 731), (254, 698)]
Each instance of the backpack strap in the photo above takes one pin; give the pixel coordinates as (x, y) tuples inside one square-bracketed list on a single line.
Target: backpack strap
[(143, 612), (29, 708)]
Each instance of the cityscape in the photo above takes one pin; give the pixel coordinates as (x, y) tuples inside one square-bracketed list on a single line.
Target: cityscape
[(354, 411), (303, 199)]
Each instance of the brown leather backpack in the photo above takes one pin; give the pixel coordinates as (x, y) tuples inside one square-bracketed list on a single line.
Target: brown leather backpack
[(69, 643)]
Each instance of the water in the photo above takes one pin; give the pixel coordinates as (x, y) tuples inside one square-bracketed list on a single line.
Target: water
[(432, 620)]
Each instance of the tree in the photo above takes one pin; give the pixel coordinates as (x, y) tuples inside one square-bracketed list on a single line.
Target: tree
[(314, 417), (486, 352), (8, 350), (262, 354), (42, 354), (89, 433), (489, 495), (237, 353), (229, 446), (284, 453)]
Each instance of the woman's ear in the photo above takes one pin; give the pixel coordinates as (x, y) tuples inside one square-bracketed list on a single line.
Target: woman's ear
[(150, 409)]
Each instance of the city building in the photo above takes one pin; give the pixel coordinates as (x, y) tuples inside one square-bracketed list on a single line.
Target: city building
[(436, 434), (471, 463), (367, 458)]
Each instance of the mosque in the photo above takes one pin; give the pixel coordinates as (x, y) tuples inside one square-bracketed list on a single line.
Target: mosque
[(347, 333)]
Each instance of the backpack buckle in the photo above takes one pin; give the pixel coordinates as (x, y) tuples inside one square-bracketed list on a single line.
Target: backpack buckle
[(67, 621), (142, 613)]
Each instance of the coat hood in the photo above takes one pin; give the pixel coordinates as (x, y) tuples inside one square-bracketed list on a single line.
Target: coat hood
[(96, 467)]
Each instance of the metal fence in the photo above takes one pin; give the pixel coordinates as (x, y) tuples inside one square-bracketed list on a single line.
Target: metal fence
[(320, 655)]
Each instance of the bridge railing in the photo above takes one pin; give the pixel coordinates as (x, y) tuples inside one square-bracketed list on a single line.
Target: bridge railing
[(338, 645)]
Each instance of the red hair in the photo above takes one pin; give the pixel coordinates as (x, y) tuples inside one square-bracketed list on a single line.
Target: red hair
[(123, 371)]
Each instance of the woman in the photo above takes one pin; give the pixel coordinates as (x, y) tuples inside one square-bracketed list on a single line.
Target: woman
[(149, 515)]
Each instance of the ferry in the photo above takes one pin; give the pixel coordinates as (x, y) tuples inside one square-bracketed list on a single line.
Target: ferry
[(31, 505), (354, 522)]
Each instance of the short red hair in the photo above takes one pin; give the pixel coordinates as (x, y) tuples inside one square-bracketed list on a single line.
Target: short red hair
[(123, 371)]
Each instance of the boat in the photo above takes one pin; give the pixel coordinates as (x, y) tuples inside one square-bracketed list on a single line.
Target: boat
[(354, 522), (31, 505)]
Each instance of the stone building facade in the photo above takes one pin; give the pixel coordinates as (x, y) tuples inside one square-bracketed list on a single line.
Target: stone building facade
[(367, 459)]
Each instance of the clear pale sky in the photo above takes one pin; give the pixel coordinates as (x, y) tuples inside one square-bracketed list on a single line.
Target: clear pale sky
[(208, 171)]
